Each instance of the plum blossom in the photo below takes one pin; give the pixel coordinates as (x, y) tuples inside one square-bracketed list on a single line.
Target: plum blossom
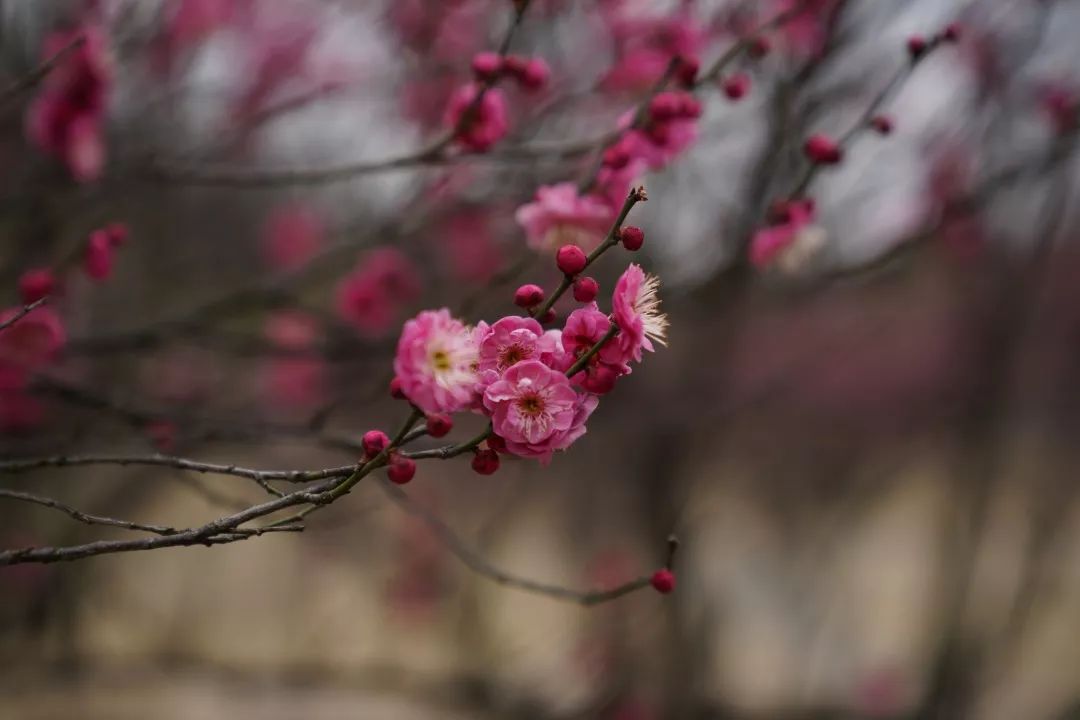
[(488, 122), (508, 342), (291, 236), (645, 46), (663, 139), (436, 362), (370, 298), (584, 328), (791, 241), (560, 216), (293, 380), (35, 338), (469, 248), (66, 117), (636, 310), (535, 410)]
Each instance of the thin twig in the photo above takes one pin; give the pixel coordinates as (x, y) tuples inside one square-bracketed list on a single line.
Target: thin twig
[(39, 73), (22, 312), (67, 461), (478, 564), (85, 517)]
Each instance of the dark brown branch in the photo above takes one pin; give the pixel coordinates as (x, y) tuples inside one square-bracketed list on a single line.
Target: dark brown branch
[(85, 517), (179, 463), (35, 76), (22, 312)]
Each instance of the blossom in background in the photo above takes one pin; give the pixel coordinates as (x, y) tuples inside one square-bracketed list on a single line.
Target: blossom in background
[(372, 296), (291, 236), (560, 216), (536, 411), (486, 123), (436, 362), (645, 45), (805, 32), (34, 339), (65, 119), (469, 247), (188, 23), (794, 231), (636, 310), (293, 380)]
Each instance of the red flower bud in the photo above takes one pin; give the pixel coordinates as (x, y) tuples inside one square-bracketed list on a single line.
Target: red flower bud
[(586, 289), (487, 65), (822, 150), (528, 296), (374, 442), (882, 124), (35, 284), (687, 70), (571, 259), (439, 425), (485, 462), (401, 470), (663, 581), (632, 237), (916, 46), (664, 106), (759, 47)]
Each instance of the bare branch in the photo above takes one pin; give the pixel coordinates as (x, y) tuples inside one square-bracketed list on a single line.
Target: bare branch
[(67, 461), (478, 564), (85, 517), (39, 73), (22, 312)]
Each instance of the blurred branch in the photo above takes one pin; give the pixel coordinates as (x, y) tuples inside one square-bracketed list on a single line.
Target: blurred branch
[(22, 312), (35, 76), (475, 562), (432, 154)]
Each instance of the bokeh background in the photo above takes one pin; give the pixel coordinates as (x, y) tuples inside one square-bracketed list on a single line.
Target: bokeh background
[(868, 452)]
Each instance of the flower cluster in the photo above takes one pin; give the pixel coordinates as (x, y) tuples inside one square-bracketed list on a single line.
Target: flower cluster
[(65, 120), (538, 387)]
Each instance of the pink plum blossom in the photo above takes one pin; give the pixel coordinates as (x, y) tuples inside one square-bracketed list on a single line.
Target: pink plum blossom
[(535, 410), (65, 119), (291, 236), (560, 216), (293, 380), (584, 328), (33, 339), (645, 45), (636, 310), (98, 258), (436, 362), (469, 247), (508, 342), (488, 122), (371, 297), (768, 243)]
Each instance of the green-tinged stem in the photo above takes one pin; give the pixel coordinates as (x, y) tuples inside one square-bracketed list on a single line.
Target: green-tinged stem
[(449, 451), (362, 471), (582, 361)]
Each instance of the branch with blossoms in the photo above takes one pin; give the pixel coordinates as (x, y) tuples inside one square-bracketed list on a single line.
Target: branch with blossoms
[(535, 385), (538, 388)]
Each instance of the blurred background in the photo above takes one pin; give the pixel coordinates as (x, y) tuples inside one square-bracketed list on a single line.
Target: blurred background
[(866, 448)]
